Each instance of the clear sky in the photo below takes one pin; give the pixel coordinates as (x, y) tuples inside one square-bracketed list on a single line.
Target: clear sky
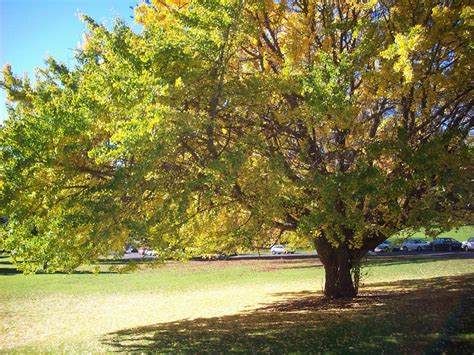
[(31, 30)]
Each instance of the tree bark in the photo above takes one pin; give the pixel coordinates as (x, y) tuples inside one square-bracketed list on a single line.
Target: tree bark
[(338, 264)]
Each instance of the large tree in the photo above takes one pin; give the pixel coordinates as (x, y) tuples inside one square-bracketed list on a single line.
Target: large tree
[(224, 124)]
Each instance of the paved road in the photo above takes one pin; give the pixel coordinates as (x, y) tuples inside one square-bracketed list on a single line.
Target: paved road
[(136, 256)]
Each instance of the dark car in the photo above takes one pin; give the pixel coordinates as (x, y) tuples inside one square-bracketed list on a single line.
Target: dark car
[(448, 244)]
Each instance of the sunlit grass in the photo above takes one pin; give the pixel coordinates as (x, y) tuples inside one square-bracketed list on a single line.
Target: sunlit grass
[(73, 312)]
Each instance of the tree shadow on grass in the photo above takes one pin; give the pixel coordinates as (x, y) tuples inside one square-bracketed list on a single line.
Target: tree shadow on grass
[(429, 316), (416, 259), (378, 261), (10, 271), (7, 268), (7, 271)]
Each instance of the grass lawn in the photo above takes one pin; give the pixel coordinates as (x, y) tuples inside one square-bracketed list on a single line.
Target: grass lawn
[(407, 304)]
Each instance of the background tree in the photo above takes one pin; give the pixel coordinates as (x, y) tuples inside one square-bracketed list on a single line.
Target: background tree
[(225, 123)]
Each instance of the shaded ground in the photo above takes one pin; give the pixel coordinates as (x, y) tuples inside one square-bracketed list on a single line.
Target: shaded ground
[(417, 316)]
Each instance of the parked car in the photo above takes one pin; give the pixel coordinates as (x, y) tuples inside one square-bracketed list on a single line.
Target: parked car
[(386, 246), (280, 249), (468, 244), (147, 252), (150, 253), (415, 244), (448, 244)]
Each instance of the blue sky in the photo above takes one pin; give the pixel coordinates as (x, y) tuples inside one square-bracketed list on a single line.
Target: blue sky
[(31, 30)]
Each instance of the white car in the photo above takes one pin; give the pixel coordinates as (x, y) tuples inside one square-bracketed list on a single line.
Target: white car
[(279, 249), (468, 244), (415, 244), (384, 247), (150, 253)]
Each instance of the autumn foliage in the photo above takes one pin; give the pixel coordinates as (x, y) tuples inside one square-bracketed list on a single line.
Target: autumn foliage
[(224, 125)]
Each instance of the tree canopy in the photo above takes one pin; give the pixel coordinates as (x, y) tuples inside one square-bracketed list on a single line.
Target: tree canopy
[(223, 124)]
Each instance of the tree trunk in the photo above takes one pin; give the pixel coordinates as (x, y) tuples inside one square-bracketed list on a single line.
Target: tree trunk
[(338, 263)]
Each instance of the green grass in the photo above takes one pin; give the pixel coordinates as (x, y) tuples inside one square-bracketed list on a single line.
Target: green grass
[(218, 306)]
